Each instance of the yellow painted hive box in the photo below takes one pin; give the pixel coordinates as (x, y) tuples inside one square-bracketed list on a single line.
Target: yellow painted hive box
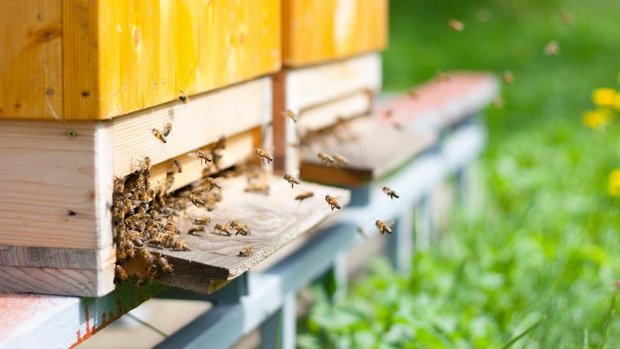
[(97, 59), (315, 31)]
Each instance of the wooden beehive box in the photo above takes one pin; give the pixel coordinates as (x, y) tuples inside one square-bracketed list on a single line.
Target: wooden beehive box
[(57, 187), (332, 73)]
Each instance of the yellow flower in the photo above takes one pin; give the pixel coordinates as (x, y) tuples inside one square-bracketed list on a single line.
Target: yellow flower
[(613, 188), (604, 97), (617, 101), (595, 118)]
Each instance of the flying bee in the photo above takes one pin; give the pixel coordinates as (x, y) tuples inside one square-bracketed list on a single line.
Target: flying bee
[(159, 135), (326, 159), (204, 156), (332, 202), (263, 155), (291, 115), (383, 227), (291, 179), (196, 200), (246, 251), (552, 48), (183, 97), (164, 265), (212, 183), (456, 25), (202, 221), (196, 230), (340, 160), (507, 77), (305, 195), (223, 228), (390, 192), (121, 273)]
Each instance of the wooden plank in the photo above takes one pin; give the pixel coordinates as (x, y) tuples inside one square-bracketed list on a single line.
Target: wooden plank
[(56, 184), (274, 220), (311, 86), (316, 31), (149, 50), (442, 104), (203, 120), (31, 59), (58, 258), (372, 149), (328, 114), (70, 282), (239, 148)]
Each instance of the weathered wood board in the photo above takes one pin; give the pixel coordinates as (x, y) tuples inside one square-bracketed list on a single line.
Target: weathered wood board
[(274, 220), (97, 59), (372, 149), (315, 31), (439, 104)]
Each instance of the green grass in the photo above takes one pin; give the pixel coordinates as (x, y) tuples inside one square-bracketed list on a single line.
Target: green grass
[(535, 269)]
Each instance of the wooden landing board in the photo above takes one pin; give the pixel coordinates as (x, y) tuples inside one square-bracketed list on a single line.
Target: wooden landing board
[(442, 104), (274, 220), (316, 31), (325, 115), (373, 150), (98, 59)]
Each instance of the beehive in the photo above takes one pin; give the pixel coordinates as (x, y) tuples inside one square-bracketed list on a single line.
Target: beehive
[(98, 59)]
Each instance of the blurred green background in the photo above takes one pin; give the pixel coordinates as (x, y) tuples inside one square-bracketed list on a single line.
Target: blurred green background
[(536, 268)]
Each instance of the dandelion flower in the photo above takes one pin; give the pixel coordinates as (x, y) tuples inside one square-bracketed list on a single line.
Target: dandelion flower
[(595, 118), (613, 188), (604, 97)]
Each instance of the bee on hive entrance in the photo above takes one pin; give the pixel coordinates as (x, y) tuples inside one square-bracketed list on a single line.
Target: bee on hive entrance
[(222, 228), (183, 97), (212, 183), (305, 195), (383, 227), (332, 202), (196, 200), (291, 179), (263, 155), (241, 228), (390, 192), (291, 115), (196, 230), (325, 159), (204, 156), (164, 265), (202, 221), (158, 135), (246, 251), (167, 129)]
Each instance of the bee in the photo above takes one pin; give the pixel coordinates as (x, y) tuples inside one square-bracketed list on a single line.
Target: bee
[(183, 97), (340, 160), (121, 273), (202, 221), (326, 159), (167, 129), (291, 179), (390, 192), (179, 245), (552, 48), (212, 183), (413, 94), (332, 202), (305, 195), (383, 227), (164, 265), (508, 78), (263, 155), (196, 230), (204, 156), (146, 255), (240, 228), (159, 135), (196, 200), (497, 102), (291, 115), (246, 251), (456, 25), (176, 166), (223, 228)]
